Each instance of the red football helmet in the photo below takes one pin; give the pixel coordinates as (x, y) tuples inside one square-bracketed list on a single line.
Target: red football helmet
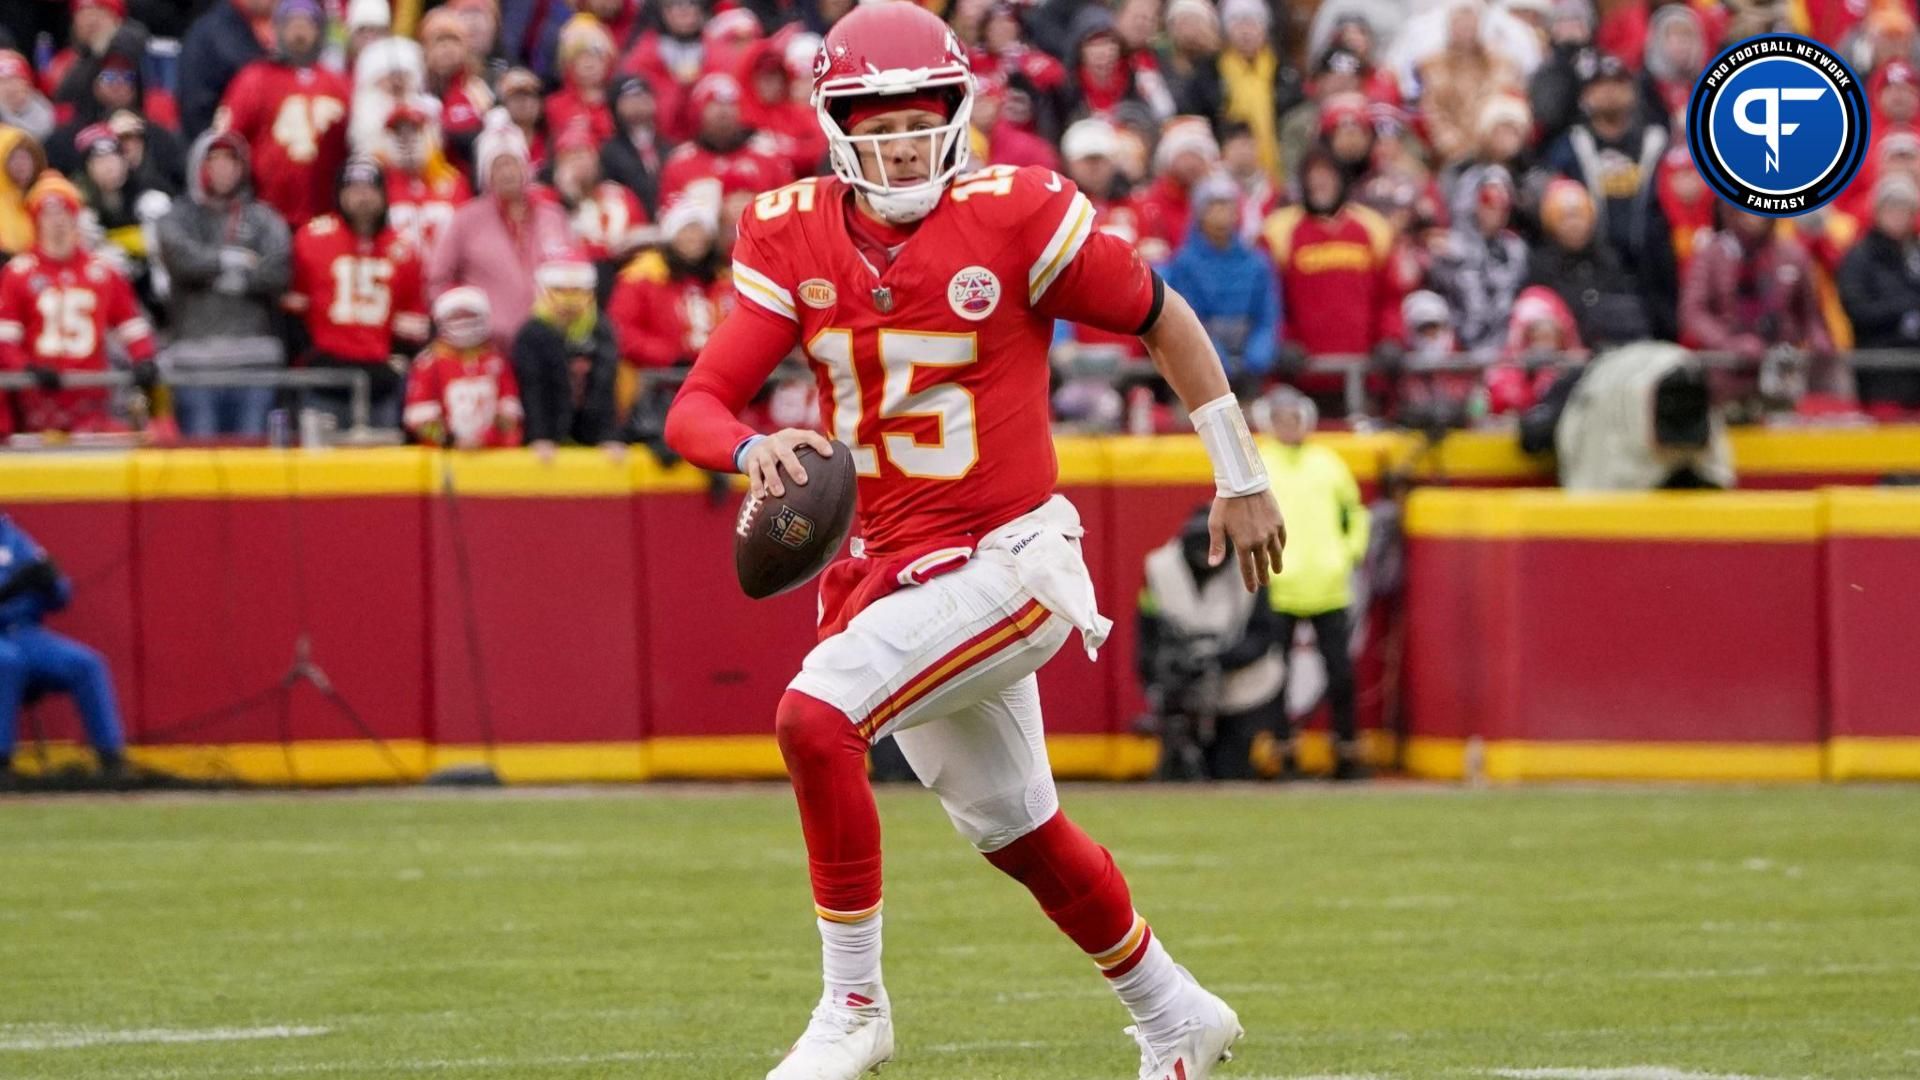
[(894, 50)]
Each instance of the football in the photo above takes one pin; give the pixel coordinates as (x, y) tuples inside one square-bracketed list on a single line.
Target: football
[(780, 543)]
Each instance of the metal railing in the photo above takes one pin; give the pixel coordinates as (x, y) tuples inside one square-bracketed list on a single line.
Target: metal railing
[(357, 384)]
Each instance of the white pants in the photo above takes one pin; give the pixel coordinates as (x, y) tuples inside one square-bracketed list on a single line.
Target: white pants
[(947, 668)]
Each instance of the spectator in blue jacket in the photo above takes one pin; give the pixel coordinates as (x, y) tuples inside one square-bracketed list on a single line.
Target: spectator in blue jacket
[(35, 660), (220, 42), (1230, 285)]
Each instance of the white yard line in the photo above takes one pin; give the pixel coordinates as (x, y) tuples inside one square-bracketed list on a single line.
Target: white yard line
[(1622, 1072), (65, 1038)]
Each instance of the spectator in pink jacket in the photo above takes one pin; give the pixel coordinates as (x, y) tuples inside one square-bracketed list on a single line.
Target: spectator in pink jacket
[(496, 241)]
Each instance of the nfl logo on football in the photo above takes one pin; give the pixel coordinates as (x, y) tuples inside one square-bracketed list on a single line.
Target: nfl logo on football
[(790, 527)]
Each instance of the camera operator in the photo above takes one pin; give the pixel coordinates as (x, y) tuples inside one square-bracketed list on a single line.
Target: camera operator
[(1206, 658)]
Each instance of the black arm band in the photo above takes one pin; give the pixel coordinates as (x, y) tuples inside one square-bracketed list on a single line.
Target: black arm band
[(1159, 300)]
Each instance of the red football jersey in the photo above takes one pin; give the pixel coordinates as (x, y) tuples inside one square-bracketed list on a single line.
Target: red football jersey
[(756, 166), (419, 209), (471, 395), (295, 124), (60, 315), (610, 224), (362, 299), (661, 320), (935, 372)]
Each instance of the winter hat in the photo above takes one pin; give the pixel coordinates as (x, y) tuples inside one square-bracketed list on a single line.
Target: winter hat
[(290, 9), (1199, 8), (463, 316), (369, 15), (518, 80), (1182, 134), (1092, 137), (686, 211), (14, 66), (117, 7), (582, 33), (52, 185), (1896, 187), (1893, 72), (565, 272), (1563, 197), (720, 86), (96, 139), (1424, 308), (630, 84), (499, 138), (1246, 9), (1214, 188), (1574, 9), (362, 169), (1348, 108)]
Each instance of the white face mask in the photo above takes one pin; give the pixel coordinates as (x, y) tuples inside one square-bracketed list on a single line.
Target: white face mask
[(900, 204)]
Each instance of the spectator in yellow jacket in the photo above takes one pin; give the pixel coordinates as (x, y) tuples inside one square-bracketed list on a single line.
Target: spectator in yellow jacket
[(1326, 538)]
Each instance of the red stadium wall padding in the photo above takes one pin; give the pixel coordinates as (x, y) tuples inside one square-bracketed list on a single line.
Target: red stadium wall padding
[(93, 544), (717, 662), (541, 589), (230, 588), (1872, 623), (1461, 650)]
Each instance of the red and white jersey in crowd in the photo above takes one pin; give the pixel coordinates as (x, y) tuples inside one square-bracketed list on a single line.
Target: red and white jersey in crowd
[(419, 209), (60, 314), (755, 166), (363, 298), (661, 320), (936, 369), (470, 393), (611, 224), (295, 124)]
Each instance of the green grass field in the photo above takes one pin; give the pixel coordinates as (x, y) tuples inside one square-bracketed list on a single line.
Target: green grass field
[(1587, 934)]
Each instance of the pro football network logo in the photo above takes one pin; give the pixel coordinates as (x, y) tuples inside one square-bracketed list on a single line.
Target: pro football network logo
[(1778, 125)]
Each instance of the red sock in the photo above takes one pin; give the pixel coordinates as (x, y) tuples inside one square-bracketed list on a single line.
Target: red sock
[(827, 760), (1080, 889)]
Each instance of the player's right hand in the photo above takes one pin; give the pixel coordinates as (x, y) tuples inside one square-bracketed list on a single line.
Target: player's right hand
[(763, 457)]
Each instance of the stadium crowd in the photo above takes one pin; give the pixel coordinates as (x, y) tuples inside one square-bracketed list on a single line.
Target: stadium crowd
[(515, 215)]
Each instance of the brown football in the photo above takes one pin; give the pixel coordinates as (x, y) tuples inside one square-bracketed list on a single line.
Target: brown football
[(781, 543)]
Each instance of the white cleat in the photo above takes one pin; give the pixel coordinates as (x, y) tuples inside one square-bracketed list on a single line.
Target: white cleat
[(844, 1041), (1202, 1041)]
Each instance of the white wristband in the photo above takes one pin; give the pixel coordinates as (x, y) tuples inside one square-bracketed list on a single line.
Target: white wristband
[(1237, 468), (740, 452)]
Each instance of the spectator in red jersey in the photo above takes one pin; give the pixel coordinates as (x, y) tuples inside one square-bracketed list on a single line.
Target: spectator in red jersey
[(635, 154), (566, 365), (461, 392), (1335, 269), (1543, 345), (667, 301), (996, 142), (586, 66), (775, 103), (1687, 202), (671, 59), (22, 105), (453, 76), (724, 153), (221, 42), (423, 188), (1190, 59), (1187, 153), (499, 238), (21, 161), (1750, 289), (609, 224), (520, 97), (1039, 95), (227, 257), (293, 114), (357, 288), (59, 307)]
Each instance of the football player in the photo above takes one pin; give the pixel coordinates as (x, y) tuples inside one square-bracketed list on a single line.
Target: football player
[(924, 298)]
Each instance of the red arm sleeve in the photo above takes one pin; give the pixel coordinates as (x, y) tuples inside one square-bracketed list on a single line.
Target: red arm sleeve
[(13, 323), (703, 424), (1107, 286)]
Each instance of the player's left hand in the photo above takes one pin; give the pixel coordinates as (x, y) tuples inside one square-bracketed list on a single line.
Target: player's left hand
[(1252, 523)]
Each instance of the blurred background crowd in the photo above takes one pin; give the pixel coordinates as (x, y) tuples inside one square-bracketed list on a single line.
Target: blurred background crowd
[(1429, 212)]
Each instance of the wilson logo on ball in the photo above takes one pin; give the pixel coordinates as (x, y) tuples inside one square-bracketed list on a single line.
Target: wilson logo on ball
[(1778, 125), (790, 528)]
